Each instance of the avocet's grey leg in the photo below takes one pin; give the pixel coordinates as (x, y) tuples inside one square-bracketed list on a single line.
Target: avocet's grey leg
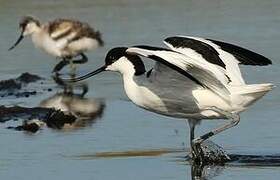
[(191, 124), (234, 121), (196, 152), (60, 65)]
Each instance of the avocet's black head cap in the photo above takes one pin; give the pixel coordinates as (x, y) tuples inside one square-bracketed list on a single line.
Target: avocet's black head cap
[(28, 19), (116, 53)]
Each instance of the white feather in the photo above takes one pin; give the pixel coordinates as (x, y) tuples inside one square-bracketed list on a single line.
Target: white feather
[(217, 70), (197, 69), (232, 69)]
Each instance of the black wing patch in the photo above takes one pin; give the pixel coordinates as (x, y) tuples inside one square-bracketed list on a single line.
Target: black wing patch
[(176, 68), (152, 48), (172, 66), (244, 56), (206, 51)]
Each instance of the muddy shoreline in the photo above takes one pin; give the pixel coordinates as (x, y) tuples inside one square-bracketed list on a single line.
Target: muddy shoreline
[(57, 111)]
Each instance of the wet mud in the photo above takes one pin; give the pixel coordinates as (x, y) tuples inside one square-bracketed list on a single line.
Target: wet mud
[(18, 87), (65, 109)]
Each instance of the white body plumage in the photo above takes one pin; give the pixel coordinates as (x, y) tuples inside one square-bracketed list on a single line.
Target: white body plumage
[(189, 100)]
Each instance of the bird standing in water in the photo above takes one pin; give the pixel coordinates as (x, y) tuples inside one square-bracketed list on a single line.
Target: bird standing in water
[(194, 80), (62, 38)]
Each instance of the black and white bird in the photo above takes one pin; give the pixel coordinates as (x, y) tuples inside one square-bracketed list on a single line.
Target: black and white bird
[(62, 38), (194, 80)]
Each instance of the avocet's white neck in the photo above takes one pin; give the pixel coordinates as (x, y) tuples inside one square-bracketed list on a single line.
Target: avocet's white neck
[(141, 94), (38, 39), (122, 65), (131, 88), (42, 40), (134, 87), (126, 68)]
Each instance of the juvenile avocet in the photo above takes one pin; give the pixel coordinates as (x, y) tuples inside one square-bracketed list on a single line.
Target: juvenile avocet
[(197, 79), (62, 38)]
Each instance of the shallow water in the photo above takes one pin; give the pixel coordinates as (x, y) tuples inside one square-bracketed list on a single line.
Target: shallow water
[(123, 127)]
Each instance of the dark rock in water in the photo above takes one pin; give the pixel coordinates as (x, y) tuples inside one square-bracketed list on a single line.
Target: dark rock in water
[(8, 113), (28, 78), (15, 87), (16, 83), (10, 84)]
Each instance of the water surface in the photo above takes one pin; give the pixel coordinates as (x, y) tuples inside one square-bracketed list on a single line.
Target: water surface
[(52, 154)]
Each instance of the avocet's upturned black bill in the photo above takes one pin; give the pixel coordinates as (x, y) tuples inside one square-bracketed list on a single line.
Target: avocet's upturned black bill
[(195, 79), (97, 71), (17, 42), (62, 38), (112, 56)]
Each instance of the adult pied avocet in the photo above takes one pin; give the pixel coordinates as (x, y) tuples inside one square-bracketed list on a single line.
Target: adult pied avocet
[(196, 79)]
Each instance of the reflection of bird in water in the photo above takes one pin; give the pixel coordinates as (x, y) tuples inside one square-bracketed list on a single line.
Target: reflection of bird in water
[(196, 79), (201, 172), (62, 38), (87, 110)]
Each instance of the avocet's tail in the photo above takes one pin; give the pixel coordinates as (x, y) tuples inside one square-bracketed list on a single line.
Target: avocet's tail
[(249, 93)]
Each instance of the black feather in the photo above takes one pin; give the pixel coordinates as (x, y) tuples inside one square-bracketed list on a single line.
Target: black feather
[(206, 51), (244, 56), (172, 66)]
